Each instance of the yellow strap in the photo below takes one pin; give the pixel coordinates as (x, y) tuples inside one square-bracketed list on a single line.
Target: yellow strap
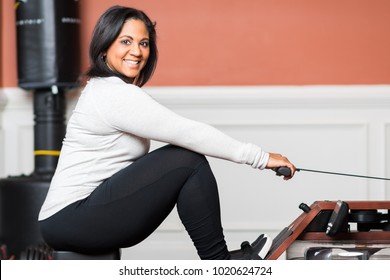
[(46, 153)]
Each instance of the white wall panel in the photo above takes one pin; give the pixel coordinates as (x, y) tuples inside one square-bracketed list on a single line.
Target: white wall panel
[(387, 161), (3, 102), (330, 128), (319, 146), (17, 123)]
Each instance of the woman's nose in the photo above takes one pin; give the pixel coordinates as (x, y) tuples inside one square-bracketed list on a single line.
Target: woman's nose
[(135, 49)]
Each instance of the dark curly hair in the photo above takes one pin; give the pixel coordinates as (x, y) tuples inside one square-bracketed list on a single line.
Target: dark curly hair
[(106, 31)]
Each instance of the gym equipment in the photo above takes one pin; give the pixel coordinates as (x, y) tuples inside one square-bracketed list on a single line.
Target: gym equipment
[(49, 65), (357, 227)]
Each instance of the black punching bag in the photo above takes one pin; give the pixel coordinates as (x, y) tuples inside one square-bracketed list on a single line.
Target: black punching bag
[(48, 63), (48, 43)]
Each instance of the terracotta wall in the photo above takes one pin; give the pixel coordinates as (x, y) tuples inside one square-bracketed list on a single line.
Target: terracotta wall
[(1, 43), (250, 42)]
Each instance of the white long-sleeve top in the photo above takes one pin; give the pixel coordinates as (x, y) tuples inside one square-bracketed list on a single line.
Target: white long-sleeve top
[(112, 125)]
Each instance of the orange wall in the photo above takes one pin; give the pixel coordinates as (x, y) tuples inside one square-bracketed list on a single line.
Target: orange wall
[(250, 42), (7, 45), (1, 44)]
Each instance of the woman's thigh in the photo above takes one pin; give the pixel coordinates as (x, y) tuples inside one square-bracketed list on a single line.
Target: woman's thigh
[(126, 208)]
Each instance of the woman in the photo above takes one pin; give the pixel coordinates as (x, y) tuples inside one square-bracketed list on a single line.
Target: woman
[(108, 191)]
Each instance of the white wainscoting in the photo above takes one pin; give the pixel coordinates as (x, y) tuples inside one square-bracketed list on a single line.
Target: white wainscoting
[(331, 128), (2, 158)]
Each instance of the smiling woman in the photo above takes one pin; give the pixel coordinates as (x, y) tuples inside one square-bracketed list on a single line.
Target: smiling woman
[(109, 184)]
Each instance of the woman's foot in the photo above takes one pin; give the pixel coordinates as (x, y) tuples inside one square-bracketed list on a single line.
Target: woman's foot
[(255, 251)]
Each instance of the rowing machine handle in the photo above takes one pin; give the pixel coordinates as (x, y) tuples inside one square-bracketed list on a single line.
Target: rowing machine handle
[(282, 171)]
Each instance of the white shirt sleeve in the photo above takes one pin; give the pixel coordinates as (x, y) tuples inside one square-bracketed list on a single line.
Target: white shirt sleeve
[(128, 108)]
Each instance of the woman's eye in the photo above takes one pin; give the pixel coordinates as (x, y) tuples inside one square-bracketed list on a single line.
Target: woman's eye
[(145, 44), (126, 42)]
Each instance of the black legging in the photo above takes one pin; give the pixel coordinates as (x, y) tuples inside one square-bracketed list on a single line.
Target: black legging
[(129, 206)]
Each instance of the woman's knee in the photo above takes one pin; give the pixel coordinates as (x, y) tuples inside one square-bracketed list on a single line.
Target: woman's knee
[(187, 157)]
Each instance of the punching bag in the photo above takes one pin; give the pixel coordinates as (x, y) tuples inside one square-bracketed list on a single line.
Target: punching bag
[(48, 43), (48, 64)]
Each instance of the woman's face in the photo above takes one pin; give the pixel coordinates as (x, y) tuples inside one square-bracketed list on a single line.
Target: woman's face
[(129, 52)]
